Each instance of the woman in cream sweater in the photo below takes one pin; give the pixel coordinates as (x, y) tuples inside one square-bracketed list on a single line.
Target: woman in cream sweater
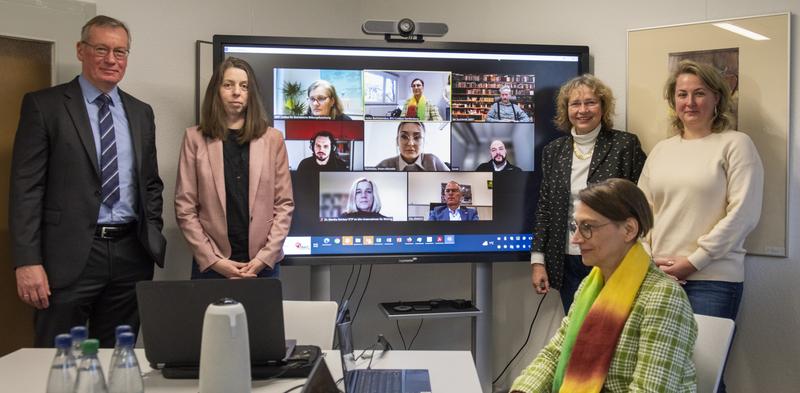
[(705, 186)]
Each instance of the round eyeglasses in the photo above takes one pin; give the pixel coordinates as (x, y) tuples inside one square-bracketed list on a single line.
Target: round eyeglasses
[(318, 100), (584, 229), (103, 51)]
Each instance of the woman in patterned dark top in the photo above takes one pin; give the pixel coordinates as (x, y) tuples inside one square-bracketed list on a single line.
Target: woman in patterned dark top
[(592, 151)]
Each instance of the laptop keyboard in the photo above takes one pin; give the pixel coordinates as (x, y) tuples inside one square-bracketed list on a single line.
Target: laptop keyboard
[(379, 381)]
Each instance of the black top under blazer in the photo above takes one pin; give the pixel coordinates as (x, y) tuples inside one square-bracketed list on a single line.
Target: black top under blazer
[(617, 154)]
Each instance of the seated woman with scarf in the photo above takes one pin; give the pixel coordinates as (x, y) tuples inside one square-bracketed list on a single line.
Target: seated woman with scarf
[(631, 327), (418, 106)]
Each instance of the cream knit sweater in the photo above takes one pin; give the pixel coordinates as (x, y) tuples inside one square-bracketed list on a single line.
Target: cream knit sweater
[(706, 197)]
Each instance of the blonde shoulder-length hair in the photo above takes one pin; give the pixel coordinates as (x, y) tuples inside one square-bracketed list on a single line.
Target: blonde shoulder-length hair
[(597, 87), (723, 113), (351, 200), (337, 109)]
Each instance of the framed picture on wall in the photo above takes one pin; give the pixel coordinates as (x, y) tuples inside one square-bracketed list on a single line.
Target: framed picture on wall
[(203, 69)]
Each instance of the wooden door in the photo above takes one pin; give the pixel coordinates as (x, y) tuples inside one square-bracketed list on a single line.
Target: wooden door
[(26, 66)]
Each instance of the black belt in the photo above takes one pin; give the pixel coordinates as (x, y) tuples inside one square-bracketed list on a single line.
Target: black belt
[(113, 231)]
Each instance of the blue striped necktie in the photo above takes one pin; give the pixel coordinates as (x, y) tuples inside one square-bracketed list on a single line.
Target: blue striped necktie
[(109, 173)]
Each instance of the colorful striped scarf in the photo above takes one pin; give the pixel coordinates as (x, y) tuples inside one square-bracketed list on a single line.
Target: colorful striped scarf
[(598, 315), (421, 107)]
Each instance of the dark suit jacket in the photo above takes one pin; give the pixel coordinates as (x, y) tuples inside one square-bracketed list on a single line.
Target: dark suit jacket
[(489, 167), (55, 182), (616, 154), (440, 213)]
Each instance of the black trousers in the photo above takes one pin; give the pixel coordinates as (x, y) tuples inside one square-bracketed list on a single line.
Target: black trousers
[(103, 296)]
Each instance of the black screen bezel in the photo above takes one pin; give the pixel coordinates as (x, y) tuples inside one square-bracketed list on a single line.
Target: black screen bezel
[(580, 51)]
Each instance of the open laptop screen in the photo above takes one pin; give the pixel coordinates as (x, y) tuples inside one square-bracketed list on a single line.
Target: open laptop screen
[(358, 380), (344, 334), (172, 315), (320, 379)]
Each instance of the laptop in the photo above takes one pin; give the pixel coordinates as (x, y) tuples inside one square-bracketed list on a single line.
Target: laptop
[(172, 313), (320, 379), (376, 380)]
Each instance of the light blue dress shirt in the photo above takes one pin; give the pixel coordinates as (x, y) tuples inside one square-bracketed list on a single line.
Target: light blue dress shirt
[(124, 210)]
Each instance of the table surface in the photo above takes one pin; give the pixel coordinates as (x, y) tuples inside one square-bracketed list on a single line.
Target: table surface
[(26, 370)]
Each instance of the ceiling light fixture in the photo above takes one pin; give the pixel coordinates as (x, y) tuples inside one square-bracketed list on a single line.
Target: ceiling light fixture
[(741, 31)]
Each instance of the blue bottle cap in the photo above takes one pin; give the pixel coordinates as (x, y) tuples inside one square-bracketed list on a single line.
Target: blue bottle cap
[(63, 341), (79, 332), (126, 339), (122, 329)]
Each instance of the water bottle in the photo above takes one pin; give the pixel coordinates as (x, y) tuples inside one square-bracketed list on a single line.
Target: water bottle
[(90, 373), (117, 348), (79, 334), (63, 371), (125, 375)]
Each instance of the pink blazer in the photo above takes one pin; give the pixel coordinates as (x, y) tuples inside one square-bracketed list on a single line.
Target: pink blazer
[(200, 198)]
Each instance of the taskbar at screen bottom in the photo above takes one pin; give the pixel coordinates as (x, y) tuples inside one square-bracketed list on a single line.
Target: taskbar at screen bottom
[(406, 244)]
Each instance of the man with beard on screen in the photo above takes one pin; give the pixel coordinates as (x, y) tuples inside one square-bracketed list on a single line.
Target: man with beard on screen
[(498, 163), (325, 158)]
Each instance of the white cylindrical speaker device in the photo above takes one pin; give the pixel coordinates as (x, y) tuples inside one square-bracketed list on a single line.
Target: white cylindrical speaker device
[(225, 349)]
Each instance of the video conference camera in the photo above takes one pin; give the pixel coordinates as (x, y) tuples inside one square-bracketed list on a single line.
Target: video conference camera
[(404, 30)]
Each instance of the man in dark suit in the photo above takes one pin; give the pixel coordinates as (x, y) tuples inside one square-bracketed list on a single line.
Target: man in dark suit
[(498, 163), (85, 195), (453, 211)]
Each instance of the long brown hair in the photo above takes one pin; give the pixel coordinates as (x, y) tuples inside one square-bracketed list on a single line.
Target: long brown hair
[(212, 115)]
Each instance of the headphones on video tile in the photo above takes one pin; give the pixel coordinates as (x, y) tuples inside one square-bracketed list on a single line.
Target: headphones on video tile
[(327, 134)]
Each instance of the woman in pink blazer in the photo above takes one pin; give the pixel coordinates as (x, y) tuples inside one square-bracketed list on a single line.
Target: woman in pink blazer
[(233, 197)]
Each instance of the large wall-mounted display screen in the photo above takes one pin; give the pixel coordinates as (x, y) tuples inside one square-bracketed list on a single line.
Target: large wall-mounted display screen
[(410, 152)]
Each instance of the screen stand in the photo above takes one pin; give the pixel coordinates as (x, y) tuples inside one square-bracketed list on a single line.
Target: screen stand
[(320, 282), (482, 323)]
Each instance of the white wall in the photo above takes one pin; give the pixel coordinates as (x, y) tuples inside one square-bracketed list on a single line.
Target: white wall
[(766, 347), (55, 23)]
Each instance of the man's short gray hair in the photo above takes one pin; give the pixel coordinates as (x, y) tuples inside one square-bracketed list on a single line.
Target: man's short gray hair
[(104, 21)]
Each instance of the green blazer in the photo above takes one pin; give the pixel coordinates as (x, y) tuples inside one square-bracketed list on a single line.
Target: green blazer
[(654, 352)]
